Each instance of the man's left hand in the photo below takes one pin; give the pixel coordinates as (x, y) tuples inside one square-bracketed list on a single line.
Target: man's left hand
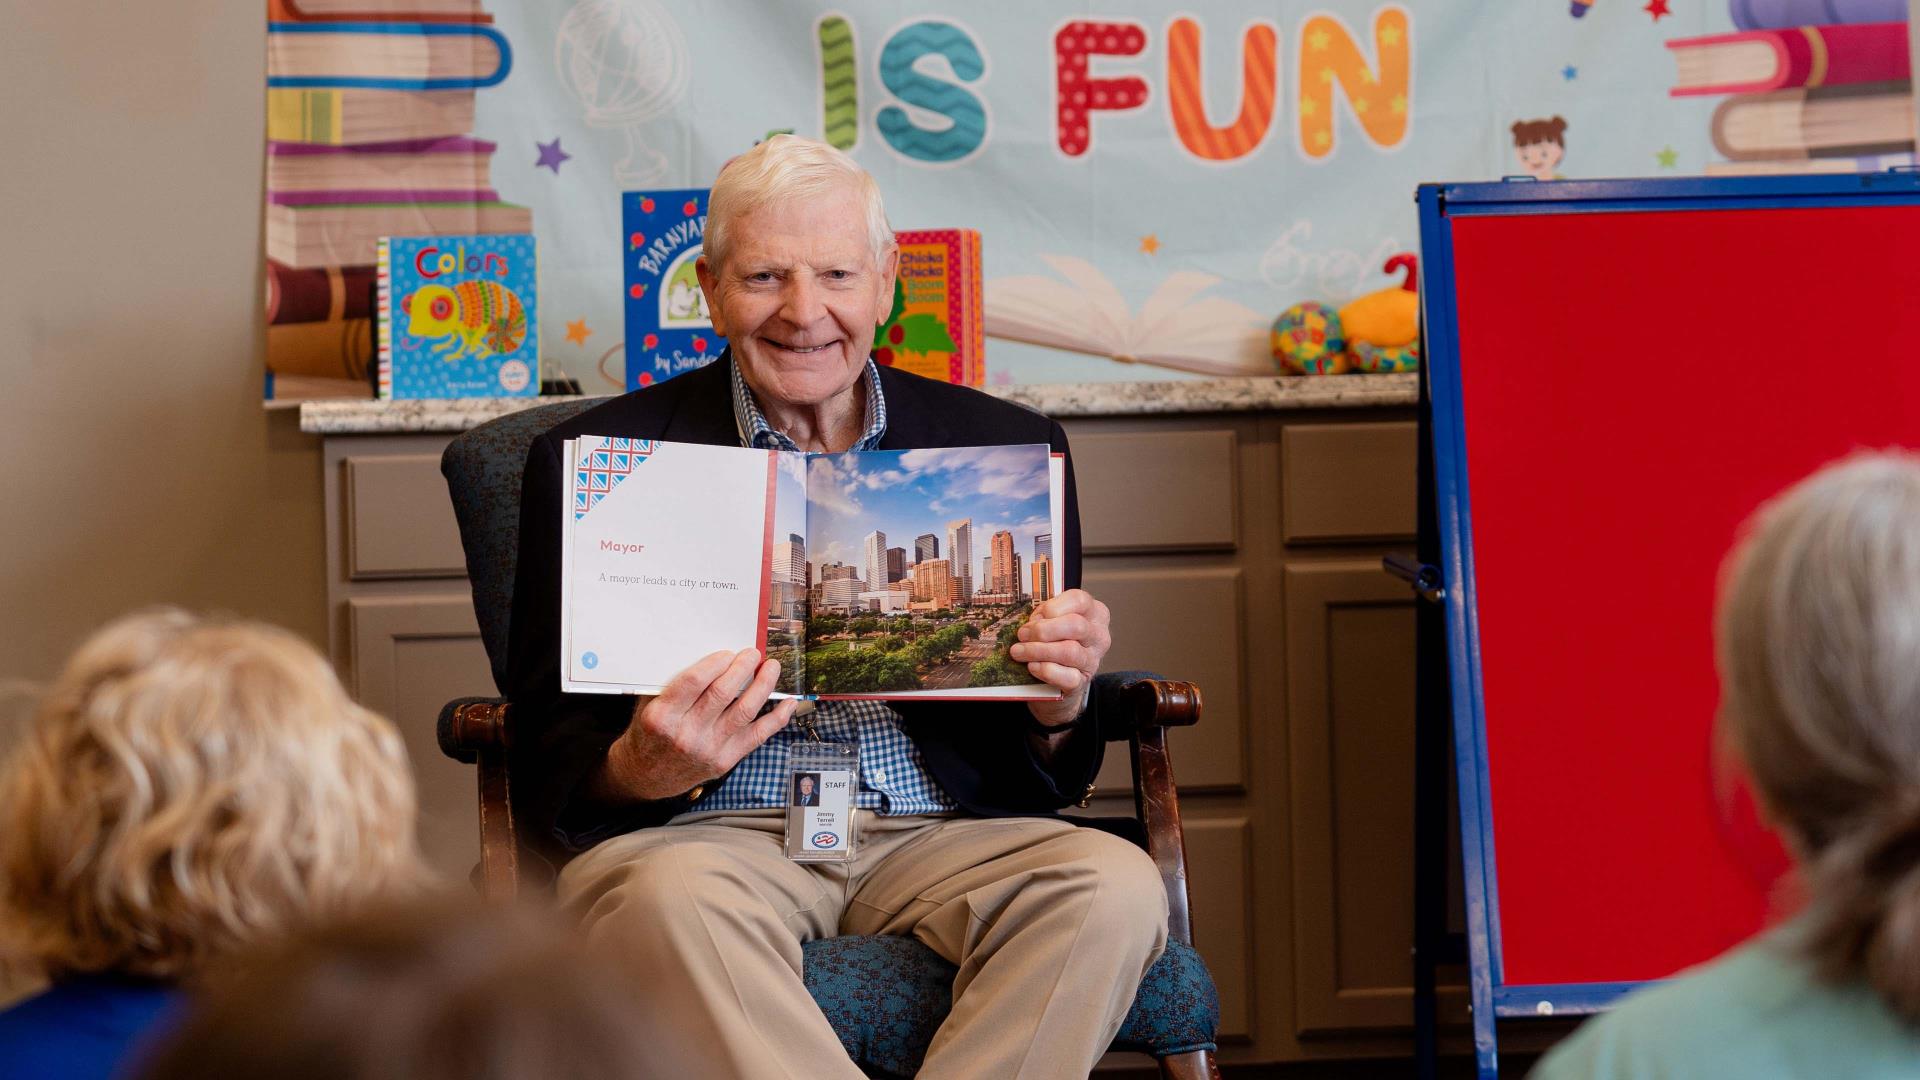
[(1062, 645)]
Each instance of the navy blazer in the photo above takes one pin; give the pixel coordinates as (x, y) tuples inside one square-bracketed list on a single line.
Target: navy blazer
[(978, 751)]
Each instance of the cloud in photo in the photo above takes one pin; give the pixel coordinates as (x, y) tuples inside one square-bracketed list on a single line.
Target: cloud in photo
[(833, 486), (1009, 472)]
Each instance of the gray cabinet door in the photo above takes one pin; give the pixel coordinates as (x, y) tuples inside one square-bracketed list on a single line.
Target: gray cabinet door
[(1350, 697), (411, 655)]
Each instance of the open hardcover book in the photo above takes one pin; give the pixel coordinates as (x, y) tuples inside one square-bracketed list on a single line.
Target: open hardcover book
[(867, 574)]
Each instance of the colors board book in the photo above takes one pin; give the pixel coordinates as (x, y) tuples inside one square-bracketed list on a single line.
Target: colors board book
[(457, 317), (341, 117), (936, 328), (1847, 121), (1806, 56), (303, 236), (1783, 14), (386, 55), (669, 330), (450, 164)]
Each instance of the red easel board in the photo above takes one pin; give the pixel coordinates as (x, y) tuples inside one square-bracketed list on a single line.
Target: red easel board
[(1634, 384)]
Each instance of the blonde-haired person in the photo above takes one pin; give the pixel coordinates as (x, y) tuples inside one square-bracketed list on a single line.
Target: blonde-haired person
[(1819, 650), (189, 786)]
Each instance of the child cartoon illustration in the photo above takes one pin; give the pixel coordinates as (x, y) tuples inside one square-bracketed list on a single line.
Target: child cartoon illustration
[(1540, 145)]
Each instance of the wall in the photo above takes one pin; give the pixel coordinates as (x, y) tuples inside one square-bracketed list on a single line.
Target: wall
[(139, 467)]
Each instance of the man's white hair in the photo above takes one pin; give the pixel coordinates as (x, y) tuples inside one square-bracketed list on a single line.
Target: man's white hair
[(788, 167)]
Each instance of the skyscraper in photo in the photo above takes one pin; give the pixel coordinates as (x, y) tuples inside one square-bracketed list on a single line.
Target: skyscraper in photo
[(1042, 579), (787, 592), (925, 546), (875, 563), (1002, 575), (790, 559), (1043, 546), (960, 555), (896, 564), (933, 584)]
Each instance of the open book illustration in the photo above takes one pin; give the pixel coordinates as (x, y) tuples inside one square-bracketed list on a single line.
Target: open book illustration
[(868, 574), (1175, 328)]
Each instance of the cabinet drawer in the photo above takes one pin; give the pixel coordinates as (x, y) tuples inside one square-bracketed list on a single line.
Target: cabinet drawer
[(1156, 491), (399, 520), (1349, 481)]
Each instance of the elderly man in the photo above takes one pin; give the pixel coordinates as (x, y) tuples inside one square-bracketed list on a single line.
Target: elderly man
[(678, 801)]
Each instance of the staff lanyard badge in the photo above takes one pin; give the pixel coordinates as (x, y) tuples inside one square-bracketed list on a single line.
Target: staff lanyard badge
[(821, 780)]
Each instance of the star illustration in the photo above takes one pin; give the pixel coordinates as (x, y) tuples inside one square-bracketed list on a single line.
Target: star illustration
[(551, 155), (577, 331), (1657, 9), (1667, 156), (1389, 35), (1149, 244), (1569, 73)]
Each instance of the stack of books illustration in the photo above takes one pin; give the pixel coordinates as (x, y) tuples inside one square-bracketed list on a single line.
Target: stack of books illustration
[(1811, 86), (370, 108)]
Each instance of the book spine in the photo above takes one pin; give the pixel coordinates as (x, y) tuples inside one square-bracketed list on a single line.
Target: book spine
[(291, 11), (376, 37), (1786, 14), (973, 337), (1813, 56), (1866, 52), (386, 197), (309, 116), (318, 294), (766, 552), (383, 316), (334, 349)]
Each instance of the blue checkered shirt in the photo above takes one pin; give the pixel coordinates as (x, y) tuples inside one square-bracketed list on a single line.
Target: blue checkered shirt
[(893, 776)]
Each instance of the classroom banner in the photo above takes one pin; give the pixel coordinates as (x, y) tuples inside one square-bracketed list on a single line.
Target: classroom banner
[(1153, 183)]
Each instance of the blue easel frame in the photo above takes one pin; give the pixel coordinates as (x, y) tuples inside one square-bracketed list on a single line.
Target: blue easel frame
[(1492, 998)]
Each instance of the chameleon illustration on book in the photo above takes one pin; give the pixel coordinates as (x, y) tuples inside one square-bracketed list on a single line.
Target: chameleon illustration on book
[(476, 318)]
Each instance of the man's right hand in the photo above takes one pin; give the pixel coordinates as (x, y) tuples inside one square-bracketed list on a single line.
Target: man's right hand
[(700, 726)]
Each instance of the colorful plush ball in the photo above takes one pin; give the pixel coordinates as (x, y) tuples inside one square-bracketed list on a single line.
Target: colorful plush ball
[(1385, 358), (1307, 340)]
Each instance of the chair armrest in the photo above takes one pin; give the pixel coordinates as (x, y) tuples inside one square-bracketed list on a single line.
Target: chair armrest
[(1140, 706), (471, 726), (1131, 701)]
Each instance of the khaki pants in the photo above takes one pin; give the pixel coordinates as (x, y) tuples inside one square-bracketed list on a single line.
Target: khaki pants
[(1051, 925)]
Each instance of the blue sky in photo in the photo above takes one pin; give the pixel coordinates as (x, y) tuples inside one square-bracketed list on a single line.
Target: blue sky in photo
[(904, 493)]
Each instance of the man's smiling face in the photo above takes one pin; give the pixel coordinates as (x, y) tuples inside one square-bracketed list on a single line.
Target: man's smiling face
[(799, 297)]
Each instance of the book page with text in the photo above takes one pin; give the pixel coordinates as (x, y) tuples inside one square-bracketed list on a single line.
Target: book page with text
[(665, 559)]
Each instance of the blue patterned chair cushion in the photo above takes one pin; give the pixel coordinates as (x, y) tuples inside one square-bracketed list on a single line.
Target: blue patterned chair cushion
[(483, 468), (885, 996)]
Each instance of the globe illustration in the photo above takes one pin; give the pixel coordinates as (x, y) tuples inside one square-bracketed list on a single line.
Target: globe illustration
[(625, 62)]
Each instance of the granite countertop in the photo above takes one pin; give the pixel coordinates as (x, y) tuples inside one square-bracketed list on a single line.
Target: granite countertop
[(1058, 400)]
